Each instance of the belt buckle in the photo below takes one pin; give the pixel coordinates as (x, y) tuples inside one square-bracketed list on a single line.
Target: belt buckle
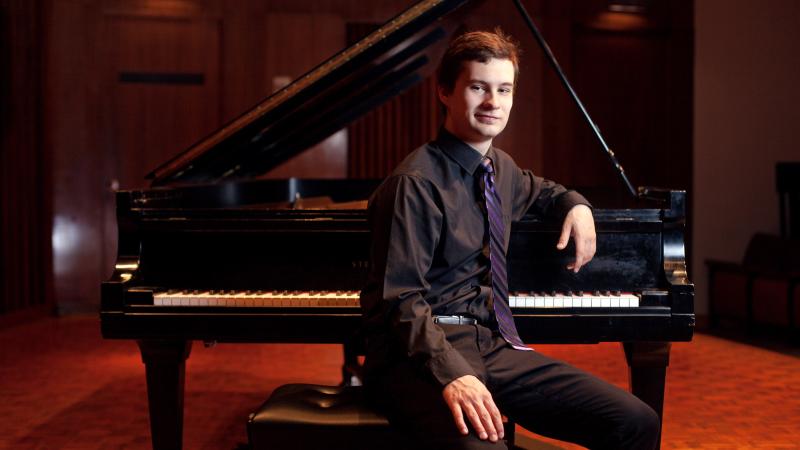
[(454, 320)]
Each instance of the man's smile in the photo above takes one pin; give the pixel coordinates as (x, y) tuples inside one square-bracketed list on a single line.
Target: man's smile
[(486, 118)]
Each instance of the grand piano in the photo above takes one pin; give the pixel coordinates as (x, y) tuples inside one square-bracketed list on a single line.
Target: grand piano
[(211, 254)]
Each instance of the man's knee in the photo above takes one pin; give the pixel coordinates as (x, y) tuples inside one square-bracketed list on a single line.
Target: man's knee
[(641, 427)]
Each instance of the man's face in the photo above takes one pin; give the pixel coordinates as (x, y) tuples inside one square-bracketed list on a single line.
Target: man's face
[(480, 104)]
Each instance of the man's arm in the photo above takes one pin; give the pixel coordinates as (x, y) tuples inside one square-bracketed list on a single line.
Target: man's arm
[(406, 222), (552, 199)]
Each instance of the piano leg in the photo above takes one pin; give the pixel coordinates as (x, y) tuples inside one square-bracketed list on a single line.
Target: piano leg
[(648, 363), (165, 366)]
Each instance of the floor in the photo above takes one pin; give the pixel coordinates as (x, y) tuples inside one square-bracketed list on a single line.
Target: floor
[(63, 387)]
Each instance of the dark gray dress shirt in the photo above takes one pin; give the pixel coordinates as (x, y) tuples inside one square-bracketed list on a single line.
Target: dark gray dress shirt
[(429, 254)]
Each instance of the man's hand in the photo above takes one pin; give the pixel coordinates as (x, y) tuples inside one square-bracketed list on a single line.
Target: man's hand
[(579, 224), (468, 396)]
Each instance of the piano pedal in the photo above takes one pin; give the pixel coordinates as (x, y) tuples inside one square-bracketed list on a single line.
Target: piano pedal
[(352, 374), (354, 380)]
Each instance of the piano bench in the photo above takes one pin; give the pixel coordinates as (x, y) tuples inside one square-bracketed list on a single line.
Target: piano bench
[(310, 416)]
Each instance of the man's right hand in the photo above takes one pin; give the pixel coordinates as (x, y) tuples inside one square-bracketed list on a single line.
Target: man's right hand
[(468, 396)]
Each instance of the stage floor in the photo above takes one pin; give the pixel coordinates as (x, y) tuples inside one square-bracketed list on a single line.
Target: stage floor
[(63, 387)]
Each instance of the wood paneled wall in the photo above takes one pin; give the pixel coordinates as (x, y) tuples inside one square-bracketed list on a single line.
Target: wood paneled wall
[(133, 82), (24, 217), (382, 138), (633, 73), (129, 83)]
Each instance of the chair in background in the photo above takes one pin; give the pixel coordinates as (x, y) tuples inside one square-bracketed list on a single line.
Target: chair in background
[(762, 290)]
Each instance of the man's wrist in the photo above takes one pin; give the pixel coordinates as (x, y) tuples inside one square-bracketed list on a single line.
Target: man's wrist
[(449, 366), (580, 206), (568, 200)]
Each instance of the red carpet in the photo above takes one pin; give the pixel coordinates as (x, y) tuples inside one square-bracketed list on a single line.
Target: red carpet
[(63, 387)]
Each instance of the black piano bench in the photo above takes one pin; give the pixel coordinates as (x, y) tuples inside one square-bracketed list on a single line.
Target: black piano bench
[(310, 416)]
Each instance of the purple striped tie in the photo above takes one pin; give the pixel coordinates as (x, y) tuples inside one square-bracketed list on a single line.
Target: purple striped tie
[(497, 259)]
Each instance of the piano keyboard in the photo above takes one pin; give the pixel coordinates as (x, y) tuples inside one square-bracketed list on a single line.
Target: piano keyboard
[(339, 299), (252, 299), (573, 300)]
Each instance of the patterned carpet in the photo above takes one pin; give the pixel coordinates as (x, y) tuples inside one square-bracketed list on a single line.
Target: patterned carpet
[(63, 387)]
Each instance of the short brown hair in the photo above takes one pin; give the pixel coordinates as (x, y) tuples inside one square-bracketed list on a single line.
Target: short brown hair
[(476, 46)]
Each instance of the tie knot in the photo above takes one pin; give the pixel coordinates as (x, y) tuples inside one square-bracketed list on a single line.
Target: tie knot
[(486, 163)]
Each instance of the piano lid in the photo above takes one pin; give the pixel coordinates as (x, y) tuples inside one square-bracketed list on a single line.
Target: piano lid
[(354, 81)]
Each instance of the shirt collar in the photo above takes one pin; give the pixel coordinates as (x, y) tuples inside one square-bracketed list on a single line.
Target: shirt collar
[(460, 152)]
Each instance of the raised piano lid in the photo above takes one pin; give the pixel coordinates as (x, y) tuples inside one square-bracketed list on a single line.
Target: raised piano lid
[(385, 63)]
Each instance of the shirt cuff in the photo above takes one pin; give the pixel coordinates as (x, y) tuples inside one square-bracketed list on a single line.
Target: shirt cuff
[(448, 366)]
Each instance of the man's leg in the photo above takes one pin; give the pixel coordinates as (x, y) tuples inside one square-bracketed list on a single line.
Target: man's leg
[(554, 399), (415, 406)]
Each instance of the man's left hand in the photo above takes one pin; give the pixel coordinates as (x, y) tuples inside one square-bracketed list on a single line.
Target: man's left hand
[(579, 224)]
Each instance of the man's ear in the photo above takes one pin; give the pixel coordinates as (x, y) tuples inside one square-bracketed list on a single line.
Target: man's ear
[(443, 95)]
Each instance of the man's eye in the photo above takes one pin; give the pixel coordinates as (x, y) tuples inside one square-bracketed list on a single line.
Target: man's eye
[(505, 91), (476, 88)]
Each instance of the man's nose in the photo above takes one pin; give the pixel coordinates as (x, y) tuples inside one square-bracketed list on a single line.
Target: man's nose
[(489, 101)]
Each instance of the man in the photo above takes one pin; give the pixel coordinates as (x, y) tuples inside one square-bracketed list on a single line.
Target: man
[(444, 358)]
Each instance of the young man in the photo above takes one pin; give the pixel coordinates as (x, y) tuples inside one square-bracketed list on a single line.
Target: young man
[(444, 358)]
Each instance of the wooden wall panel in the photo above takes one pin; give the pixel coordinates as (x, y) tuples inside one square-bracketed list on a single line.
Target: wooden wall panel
[(106, 134), (629, 108), (78, 165), (380, 140), (164, 83), (633, 74), (24, 204)]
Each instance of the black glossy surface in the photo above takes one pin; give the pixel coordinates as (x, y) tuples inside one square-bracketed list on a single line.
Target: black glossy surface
[(165, 244)]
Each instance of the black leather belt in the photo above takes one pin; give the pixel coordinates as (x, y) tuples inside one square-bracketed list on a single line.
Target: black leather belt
[(455, 320)]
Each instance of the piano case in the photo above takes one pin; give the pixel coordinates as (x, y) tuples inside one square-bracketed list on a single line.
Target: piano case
[(210, 254)]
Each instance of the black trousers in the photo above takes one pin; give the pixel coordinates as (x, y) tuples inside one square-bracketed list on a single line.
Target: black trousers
[(541, 394)]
